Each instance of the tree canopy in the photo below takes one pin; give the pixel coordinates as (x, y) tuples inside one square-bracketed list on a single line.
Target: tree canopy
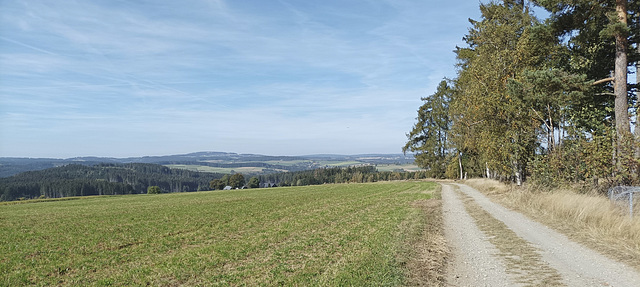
[(236, 180), (537, 98)]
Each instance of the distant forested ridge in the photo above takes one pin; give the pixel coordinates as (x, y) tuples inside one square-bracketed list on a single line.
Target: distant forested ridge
[(269, 164), (101, 179)]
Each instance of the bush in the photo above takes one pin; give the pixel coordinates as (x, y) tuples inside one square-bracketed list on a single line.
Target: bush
[(153, 190), (254, 182)]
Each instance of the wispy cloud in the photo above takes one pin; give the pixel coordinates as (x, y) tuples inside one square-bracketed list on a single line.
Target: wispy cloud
[(251, 76), (27, 46)]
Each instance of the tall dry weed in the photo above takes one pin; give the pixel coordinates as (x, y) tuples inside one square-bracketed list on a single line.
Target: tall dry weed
[(587, 217)]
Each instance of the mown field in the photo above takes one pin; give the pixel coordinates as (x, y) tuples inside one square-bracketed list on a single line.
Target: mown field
[(353, 234)]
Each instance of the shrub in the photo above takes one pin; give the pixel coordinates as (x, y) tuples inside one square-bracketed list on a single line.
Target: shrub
[(153, 189)]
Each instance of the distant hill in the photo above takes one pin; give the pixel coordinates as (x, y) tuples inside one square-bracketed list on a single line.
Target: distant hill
[(222, 162)]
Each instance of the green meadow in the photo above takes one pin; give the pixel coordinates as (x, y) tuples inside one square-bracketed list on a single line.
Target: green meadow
[(349, 234)]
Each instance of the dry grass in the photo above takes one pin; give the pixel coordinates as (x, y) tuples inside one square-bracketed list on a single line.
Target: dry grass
[(429, 249), (488, 186), (588, 218)]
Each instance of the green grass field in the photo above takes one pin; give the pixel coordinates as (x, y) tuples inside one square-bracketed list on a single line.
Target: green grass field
[(318, 235)]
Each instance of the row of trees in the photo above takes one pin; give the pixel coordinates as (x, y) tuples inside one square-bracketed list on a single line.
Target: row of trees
[(137, 178), (545, 99), (355, 174)]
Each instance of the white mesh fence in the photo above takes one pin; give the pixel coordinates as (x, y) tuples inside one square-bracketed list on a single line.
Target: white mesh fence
[(626, 196)]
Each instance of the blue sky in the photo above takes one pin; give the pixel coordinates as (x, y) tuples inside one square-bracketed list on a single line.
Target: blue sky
[(133, 78)]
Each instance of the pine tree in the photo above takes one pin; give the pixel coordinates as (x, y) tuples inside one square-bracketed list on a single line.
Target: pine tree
[(429, 139), (598, 36)]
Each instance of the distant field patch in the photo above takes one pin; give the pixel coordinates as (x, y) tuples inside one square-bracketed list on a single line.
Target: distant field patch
[(339, 163), (288, 162), (392, 167), (224, 170), (329, 235)]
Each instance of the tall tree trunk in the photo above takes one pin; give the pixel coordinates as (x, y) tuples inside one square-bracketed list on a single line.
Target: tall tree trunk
[(486, 165), (460, 164), (552, 129), (636, 131), (517, 168), (623, 130)]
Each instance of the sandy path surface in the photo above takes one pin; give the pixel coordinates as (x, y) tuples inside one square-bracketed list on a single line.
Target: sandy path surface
[(474, 259), (477, 262)]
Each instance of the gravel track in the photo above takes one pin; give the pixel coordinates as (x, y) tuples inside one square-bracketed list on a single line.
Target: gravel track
[(473, 259), (476, 262)]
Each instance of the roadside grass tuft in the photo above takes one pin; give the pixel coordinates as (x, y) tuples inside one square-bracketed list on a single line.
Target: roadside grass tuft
[(349, 234)]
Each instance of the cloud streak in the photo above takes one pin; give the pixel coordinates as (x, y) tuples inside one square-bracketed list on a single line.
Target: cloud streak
[(286, 77)]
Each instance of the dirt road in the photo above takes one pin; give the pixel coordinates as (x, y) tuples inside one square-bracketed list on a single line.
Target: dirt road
[(494, 246)]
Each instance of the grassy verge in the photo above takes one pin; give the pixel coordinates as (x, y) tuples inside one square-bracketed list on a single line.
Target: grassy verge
[(425, 249), (351, 234), (587, 218)]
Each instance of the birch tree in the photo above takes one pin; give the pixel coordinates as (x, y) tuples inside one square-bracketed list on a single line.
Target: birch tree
[(494, 123)]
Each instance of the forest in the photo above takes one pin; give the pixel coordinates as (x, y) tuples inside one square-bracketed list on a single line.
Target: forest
[(137, 178), (101, 179), (546, 100)]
